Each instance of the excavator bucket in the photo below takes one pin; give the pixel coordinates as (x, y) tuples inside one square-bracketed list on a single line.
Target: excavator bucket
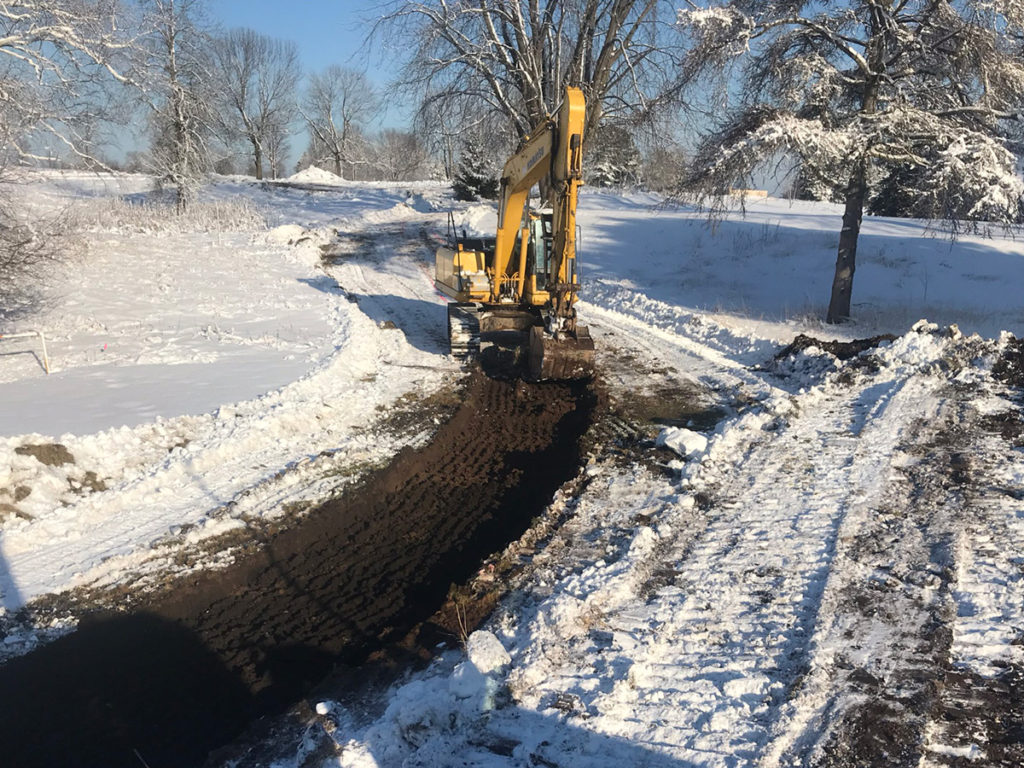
[(560, 359)]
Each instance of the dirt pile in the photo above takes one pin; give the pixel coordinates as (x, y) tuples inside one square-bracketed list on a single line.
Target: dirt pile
[(165, 685), (843, 350), (1009, 368)]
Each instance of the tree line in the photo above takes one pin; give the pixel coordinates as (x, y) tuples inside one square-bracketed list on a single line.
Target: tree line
[(900, 107)]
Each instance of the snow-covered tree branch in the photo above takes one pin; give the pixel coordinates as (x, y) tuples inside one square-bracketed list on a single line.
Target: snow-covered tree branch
[(60, 61), (57, 57)]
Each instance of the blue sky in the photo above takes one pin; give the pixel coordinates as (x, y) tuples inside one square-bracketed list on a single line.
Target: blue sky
[(326, 32)]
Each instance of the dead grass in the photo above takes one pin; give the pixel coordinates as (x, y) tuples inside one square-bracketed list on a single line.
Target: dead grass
[(154, 213)]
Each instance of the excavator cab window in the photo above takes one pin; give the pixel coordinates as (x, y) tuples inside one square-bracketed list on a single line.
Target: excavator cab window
[(541, 240)]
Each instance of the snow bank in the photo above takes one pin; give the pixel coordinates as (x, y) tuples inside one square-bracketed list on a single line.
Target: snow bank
[(314, 175)]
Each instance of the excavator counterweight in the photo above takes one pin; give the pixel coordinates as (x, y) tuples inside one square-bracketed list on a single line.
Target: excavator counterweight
[(515, 294)]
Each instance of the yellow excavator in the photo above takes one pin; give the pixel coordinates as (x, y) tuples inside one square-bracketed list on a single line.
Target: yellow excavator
[(514, 295)]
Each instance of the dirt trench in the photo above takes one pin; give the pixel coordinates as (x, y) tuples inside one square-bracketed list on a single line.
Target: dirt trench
[(184, 674)]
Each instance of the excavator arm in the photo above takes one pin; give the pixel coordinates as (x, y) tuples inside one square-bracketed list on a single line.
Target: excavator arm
[(550, 156), (522, 171), (566, 180)]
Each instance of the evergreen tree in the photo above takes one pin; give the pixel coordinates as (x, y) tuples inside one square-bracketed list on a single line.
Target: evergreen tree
[(897, 194), (475, 176), (810, 184), (946, 186), (613, 159)]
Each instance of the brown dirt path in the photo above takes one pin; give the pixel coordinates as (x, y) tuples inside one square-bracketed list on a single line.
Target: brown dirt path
[(183, 674)]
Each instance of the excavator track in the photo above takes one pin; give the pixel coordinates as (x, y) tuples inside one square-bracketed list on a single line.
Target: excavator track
[(464, 330)]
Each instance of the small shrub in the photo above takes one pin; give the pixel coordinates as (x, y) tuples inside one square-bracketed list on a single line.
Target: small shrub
[(30, 247)]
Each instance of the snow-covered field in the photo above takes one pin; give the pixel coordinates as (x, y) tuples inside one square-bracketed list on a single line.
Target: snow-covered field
[(189, 369), (746, 605)]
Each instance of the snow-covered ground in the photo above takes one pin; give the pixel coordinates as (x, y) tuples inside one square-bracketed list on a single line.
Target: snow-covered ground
[(696, 616), (189, 368), (763, 629)]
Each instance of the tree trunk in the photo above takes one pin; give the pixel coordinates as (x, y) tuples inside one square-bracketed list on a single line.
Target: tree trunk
[(257, 154), (182, 201), (857, 189), (846, 260)]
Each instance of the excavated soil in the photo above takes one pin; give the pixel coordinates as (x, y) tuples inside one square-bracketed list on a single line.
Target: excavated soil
[(184, 674), (844, 350), (1009, 368)]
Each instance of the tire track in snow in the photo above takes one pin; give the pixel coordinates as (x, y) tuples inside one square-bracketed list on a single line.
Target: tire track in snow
[(702, 667), (750, 592), (881, 633), (979, 713), (400, 296), (989, 632), (703, 362), (916, 657)]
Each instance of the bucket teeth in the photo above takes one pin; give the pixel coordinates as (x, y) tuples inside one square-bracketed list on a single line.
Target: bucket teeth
[(566, 358)]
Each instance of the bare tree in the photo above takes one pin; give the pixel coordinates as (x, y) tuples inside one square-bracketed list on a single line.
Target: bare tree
[(664, 166), (854, 89), (400, 156), (444, 126), (338, 103), (442, 131), (178, 80), (515, 57), (258, 76), (278, 146)]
